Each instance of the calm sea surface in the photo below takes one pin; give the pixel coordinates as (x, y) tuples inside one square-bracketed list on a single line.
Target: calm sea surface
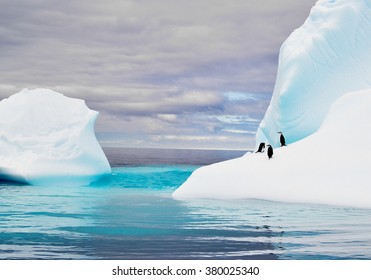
[(131, 215)]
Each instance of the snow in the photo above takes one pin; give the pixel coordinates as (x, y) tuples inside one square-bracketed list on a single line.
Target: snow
[(321, 61), (47, 138), (321, 103), (332, 166)]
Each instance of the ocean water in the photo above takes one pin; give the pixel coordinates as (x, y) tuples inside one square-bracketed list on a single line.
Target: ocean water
[(131, 215)]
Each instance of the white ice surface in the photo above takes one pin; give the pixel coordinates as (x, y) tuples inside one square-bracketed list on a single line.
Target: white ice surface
[(327, 57), (47, 138), (332, 166)]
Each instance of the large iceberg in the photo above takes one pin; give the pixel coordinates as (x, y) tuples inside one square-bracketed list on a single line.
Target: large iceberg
[(328, 56), (47, 138), (321, 102)]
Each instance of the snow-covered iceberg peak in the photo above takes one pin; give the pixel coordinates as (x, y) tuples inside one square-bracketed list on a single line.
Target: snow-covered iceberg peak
[(321, 61), (47, 138)]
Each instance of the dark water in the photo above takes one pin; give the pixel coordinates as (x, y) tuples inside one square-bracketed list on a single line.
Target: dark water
[(131, 215), (140, 157)]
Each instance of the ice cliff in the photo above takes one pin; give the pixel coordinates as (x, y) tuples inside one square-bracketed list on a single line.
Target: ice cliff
[(328, 56), (47, 138), (324, 64)]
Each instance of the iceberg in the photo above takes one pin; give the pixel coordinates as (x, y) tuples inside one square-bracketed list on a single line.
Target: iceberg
[(47, 138), (321, 103)]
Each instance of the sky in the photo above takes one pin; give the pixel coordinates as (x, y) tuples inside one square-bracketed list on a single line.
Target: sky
[(161, 73)]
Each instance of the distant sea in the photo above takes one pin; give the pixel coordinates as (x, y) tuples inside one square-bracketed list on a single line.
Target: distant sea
[(131, 215)]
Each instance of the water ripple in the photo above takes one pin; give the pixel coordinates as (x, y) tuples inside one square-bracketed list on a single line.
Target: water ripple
[(132, 216)]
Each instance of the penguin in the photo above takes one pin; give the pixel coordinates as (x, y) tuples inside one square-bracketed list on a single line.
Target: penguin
[(282, 139), (261, 148), (269, 151)]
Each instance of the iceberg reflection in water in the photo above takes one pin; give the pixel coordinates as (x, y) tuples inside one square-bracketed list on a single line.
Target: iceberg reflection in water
[(133, 216)]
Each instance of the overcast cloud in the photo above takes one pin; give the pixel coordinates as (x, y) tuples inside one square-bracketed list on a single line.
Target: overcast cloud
[(162, 73)]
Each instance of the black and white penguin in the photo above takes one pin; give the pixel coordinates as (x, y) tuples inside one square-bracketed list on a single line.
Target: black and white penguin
[(261, 148), (282, 139), (269, 151)]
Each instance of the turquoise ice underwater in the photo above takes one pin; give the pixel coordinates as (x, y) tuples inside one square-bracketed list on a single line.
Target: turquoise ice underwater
[(131, 215)]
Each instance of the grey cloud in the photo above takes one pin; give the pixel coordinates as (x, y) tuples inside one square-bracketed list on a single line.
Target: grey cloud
[(169, 104), (149, 66)]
